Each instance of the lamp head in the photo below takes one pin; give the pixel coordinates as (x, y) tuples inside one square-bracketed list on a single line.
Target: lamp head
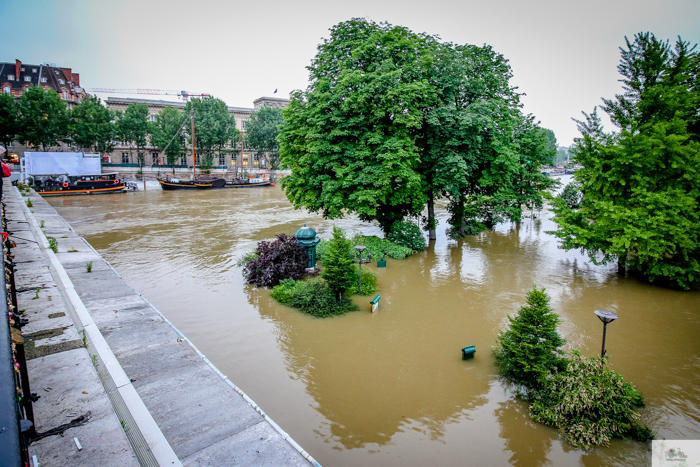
[(360, 248), (606, 316)]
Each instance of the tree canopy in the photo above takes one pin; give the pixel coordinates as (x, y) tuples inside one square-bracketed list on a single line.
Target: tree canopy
[(43, 118), (9, 120), (92, 125), (133, 128), (215, 127), (261, 134), (393, 119), (641, 186), (167, 134)]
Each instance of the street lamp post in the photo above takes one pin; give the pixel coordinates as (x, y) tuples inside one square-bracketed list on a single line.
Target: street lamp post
[(606, 317), (360, 249)]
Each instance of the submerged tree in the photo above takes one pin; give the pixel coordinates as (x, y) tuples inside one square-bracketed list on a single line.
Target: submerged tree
[(531, 347), (641, 186), (338, 264)]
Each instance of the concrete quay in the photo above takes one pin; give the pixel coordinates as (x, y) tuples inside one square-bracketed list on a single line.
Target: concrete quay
[(95, 346)]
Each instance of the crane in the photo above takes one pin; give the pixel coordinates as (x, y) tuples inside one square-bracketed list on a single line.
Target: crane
[(156, 92)]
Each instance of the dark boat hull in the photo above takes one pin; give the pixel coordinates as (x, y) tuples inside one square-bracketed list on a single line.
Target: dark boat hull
[(208, 185), (80, 190)]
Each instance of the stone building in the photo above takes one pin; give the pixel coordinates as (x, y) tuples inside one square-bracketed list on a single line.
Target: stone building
[(234, 158), (16, 77)]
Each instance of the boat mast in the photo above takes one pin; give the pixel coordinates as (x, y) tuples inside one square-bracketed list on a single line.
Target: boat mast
[(194, 158)]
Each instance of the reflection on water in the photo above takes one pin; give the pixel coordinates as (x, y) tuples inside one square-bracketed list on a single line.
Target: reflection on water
[(390, 388)]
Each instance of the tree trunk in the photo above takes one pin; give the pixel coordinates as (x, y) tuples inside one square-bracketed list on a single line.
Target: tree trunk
[(431, 217)]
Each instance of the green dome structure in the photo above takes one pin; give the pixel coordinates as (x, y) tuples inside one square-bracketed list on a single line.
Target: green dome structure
[(306, 237)]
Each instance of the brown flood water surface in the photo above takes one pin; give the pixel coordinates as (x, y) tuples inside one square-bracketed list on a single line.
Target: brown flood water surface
[(390, 388)]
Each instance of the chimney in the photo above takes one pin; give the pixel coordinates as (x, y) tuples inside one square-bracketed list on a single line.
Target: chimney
[(18, 68), (76, 79), (68, 74)]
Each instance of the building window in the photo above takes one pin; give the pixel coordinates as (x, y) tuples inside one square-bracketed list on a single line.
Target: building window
[(222, 160), (6, 90), (245, 159), (233, 158), (183, 161), (154, 158), (28, 78), (125, 158), (153, 118), (12, 144), (10, 77), (43, 80), (65, 95), (198, 160), (256, 160), (60, 81), (33, 70), (243, 122), (69, 145)]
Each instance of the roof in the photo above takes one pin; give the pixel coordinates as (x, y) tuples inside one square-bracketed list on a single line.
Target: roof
[(58, 79)]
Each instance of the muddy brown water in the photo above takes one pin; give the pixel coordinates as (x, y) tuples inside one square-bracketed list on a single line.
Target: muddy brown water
[(390, 388)]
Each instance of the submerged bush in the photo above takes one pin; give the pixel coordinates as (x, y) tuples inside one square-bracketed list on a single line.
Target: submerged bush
[(369, 283), (313, 297), (590, 404), (407, 234), (274, 261), (377, 247)]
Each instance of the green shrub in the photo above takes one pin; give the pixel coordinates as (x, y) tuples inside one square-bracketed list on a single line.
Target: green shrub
[(407, 234), (30, 204), (589, 404), (471, 227), (369, 283), (338, 265), (377, 247), (530, 348), (313, 297)]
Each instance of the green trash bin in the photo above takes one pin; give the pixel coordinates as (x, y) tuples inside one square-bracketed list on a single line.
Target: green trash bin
[(381, 263), (468, 352)]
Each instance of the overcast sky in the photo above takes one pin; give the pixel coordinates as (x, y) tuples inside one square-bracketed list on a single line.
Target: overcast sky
[(564, 54)]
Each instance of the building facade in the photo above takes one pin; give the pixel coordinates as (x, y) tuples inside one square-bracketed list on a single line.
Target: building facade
[(233, 158), (16, 77)]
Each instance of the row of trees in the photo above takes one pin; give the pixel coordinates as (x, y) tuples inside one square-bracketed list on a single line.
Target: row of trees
[(42, 119), (393, 120), (638, 200)]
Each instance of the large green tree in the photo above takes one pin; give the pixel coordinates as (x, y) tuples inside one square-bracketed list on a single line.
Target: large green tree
[(133, 128), (351, 137), (92, 126), (214, 128), (641, 186), (168, 134), (43, 118), (9, 121), (261, 134)]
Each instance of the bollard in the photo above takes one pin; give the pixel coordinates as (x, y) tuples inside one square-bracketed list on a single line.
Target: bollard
[(468, 352)]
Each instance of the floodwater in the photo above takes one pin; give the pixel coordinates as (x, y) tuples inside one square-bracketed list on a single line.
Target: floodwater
[(390, 388)]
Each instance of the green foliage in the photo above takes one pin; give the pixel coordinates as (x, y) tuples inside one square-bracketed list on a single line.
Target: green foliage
[(92, 126), (9, 119), (377, 247), (369, 283), (261, 133), (43, 118), (338, 265), (469, 227), (393, 119), (314, 297), (589, 403), (133, 128), (641, 186), (215, 128), (407, 234), (88, 266), (53, 244), (30, 204), (167, 134), (571, 195), (246, 258), (530, 348), (350, 139)]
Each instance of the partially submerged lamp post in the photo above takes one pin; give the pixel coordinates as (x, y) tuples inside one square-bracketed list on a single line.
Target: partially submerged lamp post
[(306, 237), (360, 249), (606, 317)]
